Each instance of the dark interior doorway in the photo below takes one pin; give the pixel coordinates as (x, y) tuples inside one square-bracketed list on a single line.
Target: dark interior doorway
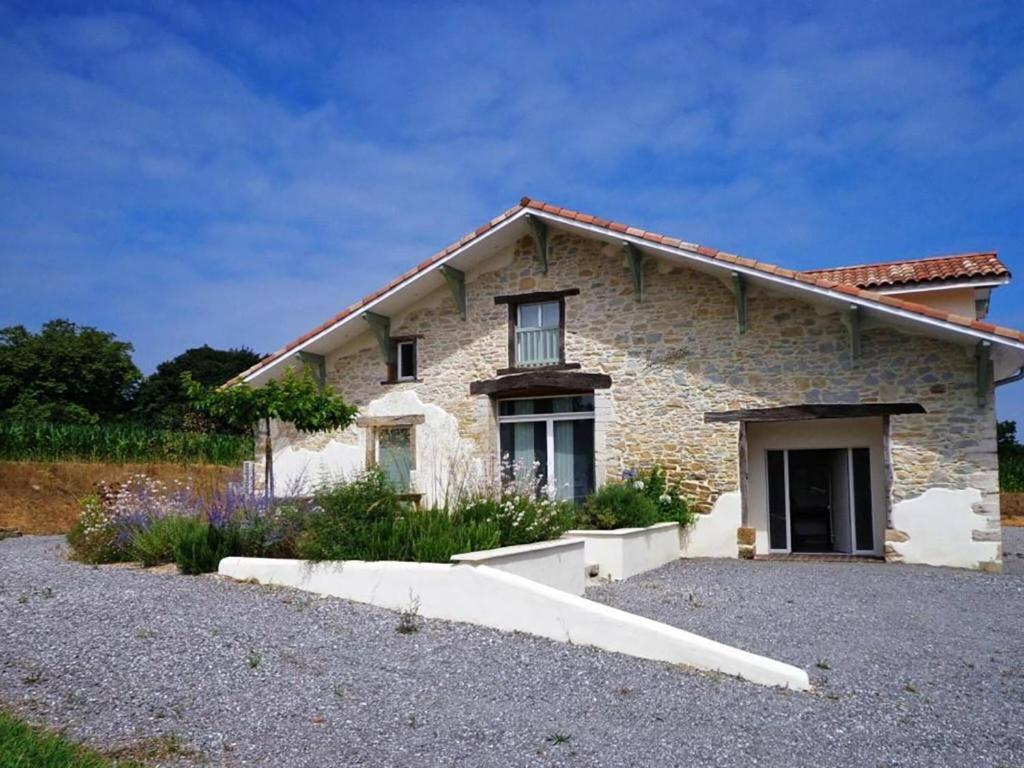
[(826, 502)]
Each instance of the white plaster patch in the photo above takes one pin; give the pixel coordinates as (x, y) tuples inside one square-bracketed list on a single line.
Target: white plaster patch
[(714, 534), (299, 470), (443, 458), (939, 525)]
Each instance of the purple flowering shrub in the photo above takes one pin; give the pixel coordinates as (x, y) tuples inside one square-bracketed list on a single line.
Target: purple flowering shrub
[(154, 522)]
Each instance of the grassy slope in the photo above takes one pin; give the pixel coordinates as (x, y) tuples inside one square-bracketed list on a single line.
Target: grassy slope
[(22, 746)]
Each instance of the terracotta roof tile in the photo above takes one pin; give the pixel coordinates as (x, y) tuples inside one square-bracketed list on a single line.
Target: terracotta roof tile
[(936, 269), (851, 281)]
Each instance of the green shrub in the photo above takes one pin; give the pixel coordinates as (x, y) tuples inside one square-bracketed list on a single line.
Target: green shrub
[(521, 519), (364, 520), (636, 503), (201, 546), (619, 505), (95, 537), (155, 544), (1011, 470)]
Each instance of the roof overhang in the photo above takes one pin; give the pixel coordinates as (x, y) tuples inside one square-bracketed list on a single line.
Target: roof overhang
[(813, 411), (1007, 353)]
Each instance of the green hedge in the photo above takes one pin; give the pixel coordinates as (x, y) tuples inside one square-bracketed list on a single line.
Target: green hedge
[(1011, 470), (117, 443)]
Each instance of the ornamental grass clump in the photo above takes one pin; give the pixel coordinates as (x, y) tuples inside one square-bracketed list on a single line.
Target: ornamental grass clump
[(363, 519)]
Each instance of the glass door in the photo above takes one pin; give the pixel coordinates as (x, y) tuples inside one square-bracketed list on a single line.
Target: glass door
[(550, 440)]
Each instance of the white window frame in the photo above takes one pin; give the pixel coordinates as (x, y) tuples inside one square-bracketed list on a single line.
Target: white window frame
[(549, 420), (399, 375)]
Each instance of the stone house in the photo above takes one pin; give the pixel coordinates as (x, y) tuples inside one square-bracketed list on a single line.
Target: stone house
[(846, 410)]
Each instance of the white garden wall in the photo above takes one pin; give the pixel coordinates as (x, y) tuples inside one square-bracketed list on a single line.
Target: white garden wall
[(714, 534), (489, 597), (625, 552), (559, 564)]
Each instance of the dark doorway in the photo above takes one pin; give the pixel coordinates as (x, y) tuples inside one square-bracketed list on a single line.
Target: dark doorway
[(810, 501), (821, 499)]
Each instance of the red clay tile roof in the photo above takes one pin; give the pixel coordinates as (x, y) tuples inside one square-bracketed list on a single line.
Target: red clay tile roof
[(809, 278), (936, 269)]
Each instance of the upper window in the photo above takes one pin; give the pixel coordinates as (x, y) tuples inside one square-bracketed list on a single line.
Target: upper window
[(405, 360), (538, 334)]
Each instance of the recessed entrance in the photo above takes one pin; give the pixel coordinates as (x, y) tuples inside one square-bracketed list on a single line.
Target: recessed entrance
[(819, 500)]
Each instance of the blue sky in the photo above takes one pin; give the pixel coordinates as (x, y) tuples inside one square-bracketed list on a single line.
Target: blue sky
[(234, 173)]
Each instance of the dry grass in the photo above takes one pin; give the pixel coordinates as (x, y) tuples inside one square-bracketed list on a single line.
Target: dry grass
[(42, 497), (1013, 522)]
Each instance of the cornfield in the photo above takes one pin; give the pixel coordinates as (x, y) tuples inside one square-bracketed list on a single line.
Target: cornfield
[(117, 443), (1011, 471)]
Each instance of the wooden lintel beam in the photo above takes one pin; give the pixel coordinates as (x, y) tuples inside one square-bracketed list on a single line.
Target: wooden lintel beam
[(456, 280), (636, 264), (983, 358), (319, 365), (540, 235), (853, 328), (381, 327), (739, 288)]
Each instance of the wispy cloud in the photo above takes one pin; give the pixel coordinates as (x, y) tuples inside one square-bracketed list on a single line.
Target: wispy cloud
[(232, 173)]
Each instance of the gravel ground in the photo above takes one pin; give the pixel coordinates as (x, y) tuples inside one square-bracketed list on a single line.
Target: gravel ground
[(918, 666)]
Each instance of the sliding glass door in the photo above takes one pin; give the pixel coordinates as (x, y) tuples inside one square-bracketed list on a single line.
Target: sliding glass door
[(550, 439)]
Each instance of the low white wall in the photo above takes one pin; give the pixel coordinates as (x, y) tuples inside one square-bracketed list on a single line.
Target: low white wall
[(940, 526), (714, 534), (625, 552), (559, 564), (493, 598)]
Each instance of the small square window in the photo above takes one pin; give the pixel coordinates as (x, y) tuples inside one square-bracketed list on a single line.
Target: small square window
[(405, 360)]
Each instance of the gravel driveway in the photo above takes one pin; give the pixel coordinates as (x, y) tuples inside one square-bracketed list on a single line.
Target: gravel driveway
[(919, 666)]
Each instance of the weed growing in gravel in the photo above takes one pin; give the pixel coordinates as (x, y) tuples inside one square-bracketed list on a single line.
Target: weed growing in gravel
[(910, 688), (33, 677), (823, 664), (558, 738), (408, 617), (22, 599), (48, 592), (694, 602), (145, 634), (254, 658)]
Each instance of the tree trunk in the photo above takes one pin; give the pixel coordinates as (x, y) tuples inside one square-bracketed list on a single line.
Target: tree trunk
[(268, 465)]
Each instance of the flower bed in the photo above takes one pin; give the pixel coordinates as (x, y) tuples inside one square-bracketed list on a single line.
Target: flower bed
[(362, 519)]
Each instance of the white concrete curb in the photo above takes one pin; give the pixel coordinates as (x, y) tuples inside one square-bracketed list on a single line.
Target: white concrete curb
[(492, 598)]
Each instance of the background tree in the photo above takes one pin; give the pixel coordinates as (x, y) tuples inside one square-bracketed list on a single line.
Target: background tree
[(1006, 436), (162, 400), (66, 372), (295, 399)]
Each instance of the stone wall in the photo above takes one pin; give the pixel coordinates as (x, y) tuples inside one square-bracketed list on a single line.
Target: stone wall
[(678, 354)]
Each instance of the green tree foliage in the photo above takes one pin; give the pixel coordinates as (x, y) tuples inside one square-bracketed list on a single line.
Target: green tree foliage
[(65, 373), (1006, 435), (162, 400), (295, 399)]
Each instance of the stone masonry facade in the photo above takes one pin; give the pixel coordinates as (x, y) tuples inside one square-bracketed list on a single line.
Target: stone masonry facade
[(677, 354)]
